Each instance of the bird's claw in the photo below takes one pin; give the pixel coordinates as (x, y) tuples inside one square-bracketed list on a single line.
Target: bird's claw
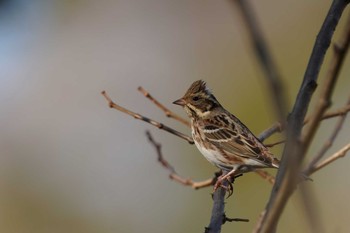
[(228, 188)]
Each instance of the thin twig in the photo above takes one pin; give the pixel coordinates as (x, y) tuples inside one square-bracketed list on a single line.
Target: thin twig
[(195, 185), (266, 176), (227, 219), (326, 145), (264, 56), (275, 143), (335, 113), (277, 127), (293, 153), (167, 112), (146, 119), (339, 154), (309, 209), (173, 174)]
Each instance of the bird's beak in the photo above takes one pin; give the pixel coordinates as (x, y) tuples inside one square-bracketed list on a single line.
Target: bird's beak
[(180, 102)]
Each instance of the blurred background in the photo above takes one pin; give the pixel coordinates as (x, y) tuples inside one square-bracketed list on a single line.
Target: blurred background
[(68, 163)]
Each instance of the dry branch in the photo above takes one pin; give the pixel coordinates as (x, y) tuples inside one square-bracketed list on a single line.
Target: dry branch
[(324, 101), (218, 210), (335, 113), (146, 119), (310, 168), (167, 112), (173, 175), (285, 183), (277, 127), (293, 153), (264, 57), (227, 219), (339, 154)]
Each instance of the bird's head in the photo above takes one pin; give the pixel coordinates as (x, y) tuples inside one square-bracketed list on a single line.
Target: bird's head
[(198, 101)]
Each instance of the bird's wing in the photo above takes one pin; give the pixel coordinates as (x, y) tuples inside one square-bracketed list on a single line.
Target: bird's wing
[(239, 141)]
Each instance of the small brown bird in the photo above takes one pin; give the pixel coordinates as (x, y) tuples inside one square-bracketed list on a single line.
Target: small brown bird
[(221, 137)]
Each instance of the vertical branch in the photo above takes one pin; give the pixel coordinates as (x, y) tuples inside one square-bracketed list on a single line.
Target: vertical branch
[(293, 153), (277, 95), (324, 102), (264, 56), (218, 211)]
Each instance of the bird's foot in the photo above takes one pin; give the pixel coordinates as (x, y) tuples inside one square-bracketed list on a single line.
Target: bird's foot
[(228, 188)]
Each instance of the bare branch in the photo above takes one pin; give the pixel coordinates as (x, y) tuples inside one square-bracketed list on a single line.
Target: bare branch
[(218, 210), (167, 112), (306, 193), (294, 153), (264, 56), (309, 169), (275, 143), (173, 175), (227, 219), (277, 127), (195, 185), (335, 113), (324, 102), (309, 209), (266, 176), (339, 154), (146, 119)]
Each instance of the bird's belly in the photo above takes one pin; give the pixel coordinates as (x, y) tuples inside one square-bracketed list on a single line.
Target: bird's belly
[(210, 155), (215, 158)]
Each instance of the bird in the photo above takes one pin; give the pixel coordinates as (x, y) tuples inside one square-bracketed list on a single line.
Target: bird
[(221, 137)]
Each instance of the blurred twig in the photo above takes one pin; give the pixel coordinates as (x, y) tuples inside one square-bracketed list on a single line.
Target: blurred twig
[(277, 127), (273, 80), (338, 112), (340, 50), (266, 176), (264, 56), (311, 166), (294, 153), (285, 183), (275, 143), (339, 154)]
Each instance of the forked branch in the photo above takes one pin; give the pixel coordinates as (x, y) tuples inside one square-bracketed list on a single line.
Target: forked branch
[(339, 154), (167, 112), (173, 175), (294, 151), (277, 127), (146, 119), (311, 166)]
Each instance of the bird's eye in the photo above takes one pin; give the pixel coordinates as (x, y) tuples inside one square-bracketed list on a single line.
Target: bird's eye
[(195, 98)]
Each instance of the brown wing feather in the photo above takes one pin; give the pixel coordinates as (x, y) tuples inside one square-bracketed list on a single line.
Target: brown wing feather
[(238, 140)]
